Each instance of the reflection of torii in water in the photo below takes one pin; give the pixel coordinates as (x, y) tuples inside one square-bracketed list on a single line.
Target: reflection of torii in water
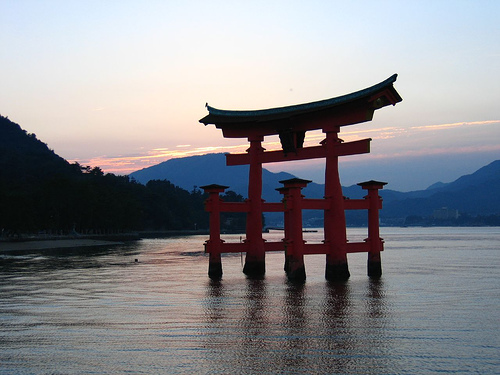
[(290, 124)]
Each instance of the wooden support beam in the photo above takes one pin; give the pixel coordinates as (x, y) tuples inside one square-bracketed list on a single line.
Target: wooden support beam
[(243, 247), (309, 248), (315, 152), (356, 204), (354, 148), (235, 206), (274, 246), (273, 207), (357, 247), (314, 204), (315, 248)]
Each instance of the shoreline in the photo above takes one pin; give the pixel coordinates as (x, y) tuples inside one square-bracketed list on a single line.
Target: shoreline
[(48, 244), (34, 242)]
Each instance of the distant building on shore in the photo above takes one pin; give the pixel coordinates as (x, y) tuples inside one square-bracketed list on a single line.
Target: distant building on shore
[(445, 213)]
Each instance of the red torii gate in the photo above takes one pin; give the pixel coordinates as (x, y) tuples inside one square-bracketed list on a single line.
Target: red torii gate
[(291, 124)]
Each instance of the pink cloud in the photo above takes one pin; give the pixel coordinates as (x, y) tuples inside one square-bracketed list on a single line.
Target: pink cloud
[(125, 164)]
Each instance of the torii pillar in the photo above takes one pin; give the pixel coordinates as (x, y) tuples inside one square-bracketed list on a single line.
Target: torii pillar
[(294, 240), (376, 244), (255, 264), (212, 205), (334, 219)]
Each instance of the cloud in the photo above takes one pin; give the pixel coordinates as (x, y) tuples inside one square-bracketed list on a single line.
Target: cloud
[(427, 152), (453, 125), (126, 164)]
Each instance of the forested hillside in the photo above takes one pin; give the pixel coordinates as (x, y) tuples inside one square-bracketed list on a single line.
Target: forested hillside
[(475, 197), (42, 192)]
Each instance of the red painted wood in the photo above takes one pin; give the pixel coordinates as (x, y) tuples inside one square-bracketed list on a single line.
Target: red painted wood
[(291, 123), (255, 256), (356, 204), (235, 206), (334, 219), (315, 152)]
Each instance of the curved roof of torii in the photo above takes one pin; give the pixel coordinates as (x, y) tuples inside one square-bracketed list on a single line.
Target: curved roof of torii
[(342, 110)]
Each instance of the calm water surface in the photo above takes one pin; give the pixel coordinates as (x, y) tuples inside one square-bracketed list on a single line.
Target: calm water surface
[(436, 309)]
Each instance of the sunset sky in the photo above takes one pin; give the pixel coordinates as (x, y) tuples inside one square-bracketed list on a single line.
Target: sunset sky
[(122, 84)]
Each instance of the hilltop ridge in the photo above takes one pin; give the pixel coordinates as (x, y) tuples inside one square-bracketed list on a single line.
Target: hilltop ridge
[(24, 157), (474, 194), (42, 193)]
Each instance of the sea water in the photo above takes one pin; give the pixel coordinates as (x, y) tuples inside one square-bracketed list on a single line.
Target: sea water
[(94, 311)]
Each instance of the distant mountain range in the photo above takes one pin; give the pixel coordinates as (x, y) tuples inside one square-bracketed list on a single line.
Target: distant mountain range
[(41, 191), (196, 171), (474, 194)]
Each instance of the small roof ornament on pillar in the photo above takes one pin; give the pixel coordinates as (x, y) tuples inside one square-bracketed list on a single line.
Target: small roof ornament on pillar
[(372, 184), (299, 182), (214, 188)]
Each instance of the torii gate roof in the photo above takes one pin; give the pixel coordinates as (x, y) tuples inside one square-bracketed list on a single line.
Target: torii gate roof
[(343, 110)]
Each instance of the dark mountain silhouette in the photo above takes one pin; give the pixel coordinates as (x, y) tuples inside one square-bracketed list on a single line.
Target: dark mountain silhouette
[(475, 194), (211, 169), (24, 158), (42, 192), (437, 185)]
